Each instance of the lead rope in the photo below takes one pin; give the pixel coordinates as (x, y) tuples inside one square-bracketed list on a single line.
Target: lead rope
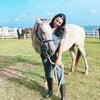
[(55, 74)]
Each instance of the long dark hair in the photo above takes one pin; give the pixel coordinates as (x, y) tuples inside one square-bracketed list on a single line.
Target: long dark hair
[(61, 29)]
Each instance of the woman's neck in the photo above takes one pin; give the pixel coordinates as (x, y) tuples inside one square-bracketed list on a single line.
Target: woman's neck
[(54, 29)]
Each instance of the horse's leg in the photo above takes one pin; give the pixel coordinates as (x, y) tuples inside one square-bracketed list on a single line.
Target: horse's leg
[(82, 50), (73, 54), (45, 83)]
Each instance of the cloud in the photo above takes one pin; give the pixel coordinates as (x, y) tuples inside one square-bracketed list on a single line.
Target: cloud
[(92, 11), (22, 16), (34, 18), (17, 19), (6, 20), (65, 1), (50, 13), (30, 13)]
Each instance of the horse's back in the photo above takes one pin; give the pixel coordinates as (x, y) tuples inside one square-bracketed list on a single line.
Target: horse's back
[(74, 35), (74, 31)]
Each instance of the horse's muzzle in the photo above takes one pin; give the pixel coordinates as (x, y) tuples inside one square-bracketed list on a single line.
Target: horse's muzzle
[(50, 52)]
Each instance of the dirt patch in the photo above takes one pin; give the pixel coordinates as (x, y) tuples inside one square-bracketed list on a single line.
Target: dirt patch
[(10, 73)]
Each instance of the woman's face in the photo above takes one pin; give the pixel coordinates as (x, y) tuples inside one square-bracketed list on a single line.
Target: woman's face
[(58, 22)]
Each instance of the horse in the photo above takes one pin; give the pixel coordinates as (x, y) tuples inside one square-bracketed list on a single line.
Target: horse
[(75, 35), (27, 31), (99, 33)]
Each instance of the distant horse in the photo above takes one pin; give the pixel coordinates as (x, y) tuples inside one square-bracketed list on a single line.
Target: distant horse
[(99, 32), (27, 31), (75, 35)]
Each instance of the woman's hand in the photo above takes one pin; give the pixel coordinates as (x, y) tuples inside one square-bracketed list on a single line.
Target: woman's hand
[(58, 62)]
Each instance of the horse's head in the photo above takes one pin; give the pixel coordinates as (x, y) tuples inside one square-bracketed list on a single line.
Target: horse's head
[(44, 32)]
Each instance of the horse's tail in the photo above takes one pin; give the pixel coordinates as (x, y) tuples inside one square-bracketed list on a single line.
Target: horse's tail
[(77, 58)]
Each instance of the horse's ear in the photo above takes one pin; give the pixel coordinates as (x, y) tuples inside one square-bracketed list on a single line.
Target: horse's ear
[(50, 19), (38, 19)]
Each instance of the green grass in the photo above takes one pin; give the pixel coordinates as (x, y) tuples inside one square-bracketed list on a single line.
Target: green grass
[(22, 73)]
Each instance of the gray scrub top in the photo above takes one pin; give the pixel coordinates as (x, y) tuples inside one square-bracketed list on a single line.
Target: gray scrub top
[(56, 39)]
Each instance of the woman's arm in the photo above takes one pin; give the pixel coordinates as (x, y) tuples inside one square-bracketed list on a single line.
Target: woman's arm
[(58, 61)]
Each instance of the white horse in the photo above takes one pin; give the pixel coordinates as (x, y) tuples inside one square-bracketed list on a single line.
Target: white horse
[(75, 35)]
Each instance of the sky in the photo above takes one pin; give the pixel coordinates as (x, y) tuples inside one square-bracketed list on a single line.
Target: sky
[(21, 13)]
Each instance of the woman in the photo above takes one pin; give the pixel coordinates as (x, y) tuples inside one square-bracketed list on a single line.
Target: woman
[(58, 26)]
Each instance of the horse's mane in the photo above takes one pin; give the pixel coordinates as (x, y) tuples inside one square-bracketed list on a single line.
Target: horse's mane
[(38, 23), (35, 40)]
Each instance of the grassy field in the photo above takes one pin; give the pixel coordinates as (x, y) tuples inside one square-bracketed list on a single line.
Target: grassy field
[(22, 73)]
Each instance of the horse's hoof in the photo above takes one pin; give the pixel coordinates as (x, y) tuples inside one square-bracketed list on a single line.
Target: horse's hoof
[(86, 73), (69, 73), (44, 87)]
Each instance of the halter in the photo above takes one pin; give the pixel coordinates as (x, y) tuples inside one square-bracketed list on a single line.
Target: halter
[(47, 41), (42, 42)]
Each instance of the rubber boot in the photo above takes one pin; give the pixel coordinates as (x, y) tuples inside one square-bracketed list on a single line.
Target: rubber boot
[(50, 86), (63, 92)]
